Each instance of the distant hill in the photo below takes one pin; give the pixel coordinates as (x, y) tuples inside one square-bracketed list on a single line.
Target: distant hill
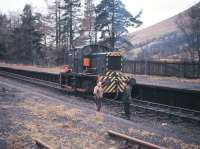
[(162, 41), (155, 31)]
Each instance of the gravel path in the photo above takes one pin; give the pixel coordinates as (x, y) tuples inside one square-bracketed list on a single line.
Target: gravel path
[(28, 112)]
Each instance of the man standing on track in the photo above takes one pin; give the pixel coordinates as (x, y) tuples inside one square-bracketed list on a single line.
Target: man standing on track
[(98, 93), (127, 98)]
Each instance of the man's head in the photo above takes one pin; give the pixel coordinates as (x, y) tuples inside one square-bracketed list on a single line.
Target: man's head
[(99, 84)]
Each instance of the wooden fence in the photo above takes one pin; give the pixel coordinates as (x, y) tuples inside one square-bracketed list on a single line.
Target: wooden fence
[(178, 69)]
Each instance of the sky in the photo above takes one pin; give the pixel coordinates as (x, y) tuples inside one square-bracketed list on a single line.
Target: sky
[(154, 11)]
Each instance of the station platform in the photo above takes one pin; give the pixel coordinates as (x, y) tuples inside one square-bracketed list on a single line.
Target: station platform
[(168, 82), (157, 81), (54, 70)]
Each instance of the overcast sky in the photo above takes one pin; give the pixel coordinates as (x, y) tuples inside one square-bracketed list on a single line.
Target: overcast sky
[(154, 11)]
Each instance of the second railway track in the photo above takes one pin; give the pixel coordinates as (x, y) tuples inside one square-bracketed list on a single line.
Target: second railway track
[(137, 105)]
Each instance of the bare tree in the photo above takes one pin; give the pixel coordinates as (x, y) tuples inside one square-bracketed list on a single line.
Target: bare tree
[(88, 29), (53, 23), (190, 27), (71, 19)]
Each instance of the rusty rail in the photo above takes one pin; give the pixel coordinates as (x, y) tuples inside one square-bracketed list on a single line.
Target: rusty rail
[(42, 145), (135, 140)]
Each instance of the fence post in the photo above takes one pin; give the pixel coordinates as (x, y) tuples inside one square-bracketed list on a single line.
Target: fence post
[(183, 69), (165, 68), (134, 67), (148, 68), (193, 70), (180, 70), (145, 67)]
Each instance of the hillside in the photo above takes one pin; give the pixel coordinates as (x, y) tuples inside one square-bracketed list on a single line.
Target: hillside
[(155, 31), (162, 41)]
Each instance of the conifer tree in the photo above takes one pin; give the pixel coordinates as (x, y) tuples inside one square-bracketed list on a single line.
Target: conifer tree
[(113, 19), (3, 35), (29, 37), (53, 24), (88, 21), (71, 20)]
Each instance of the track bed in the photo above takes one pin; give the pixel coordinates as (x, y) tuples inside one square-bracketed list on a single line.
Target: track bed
[(29, 112)]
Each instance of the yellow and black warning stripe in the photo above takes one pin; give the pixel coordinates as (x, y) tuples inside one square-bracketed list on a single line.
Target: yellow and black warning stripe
[(114, 54), (113, 81), (110, 73), (109, 88)]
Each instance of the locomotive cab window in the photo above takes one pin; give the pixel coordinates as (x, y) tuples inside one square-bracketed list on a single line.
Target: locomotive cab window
[(114, 62)]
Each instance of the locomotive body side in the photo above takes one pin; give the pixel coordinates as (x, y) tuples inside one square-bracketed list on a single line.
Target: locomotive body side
[(87, 64)]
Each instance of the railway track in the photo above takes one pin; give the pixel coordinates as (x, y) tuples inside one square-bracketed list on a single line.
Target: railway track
[(135, 143), (170, 110), (155, 110), (139, 106), (131, 142)]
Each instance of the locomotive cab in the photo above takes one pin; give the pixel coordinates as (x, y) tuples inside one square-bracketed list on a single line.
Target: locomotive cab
[(96, 63), (100, 63), (114, 61)]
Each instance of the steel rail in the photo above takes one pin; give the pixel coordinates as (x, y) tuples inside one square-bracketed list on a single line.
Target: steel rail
[(42, 144), (161, 111), (139, 142), (165, 106)]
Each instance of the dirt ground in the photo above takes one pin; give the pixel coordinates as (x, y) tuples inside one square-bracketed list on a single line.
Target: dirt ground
[(26, 115)]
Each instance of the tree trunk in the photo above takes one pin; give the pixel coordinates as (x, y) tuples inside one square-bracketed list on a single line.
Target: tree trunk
[(56, 19), (59, 25), (113, 29), (113, 41), (95, 36), (71, 29)]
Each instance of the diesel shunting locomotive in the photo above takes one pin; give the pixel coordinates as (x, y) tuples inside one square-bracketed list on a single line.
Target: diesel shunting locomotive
[(91, 64)]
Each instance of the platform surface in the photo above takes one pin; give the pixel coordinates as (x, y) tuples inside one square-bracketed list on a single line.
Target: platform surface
[(159, 81), (168, 82)]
